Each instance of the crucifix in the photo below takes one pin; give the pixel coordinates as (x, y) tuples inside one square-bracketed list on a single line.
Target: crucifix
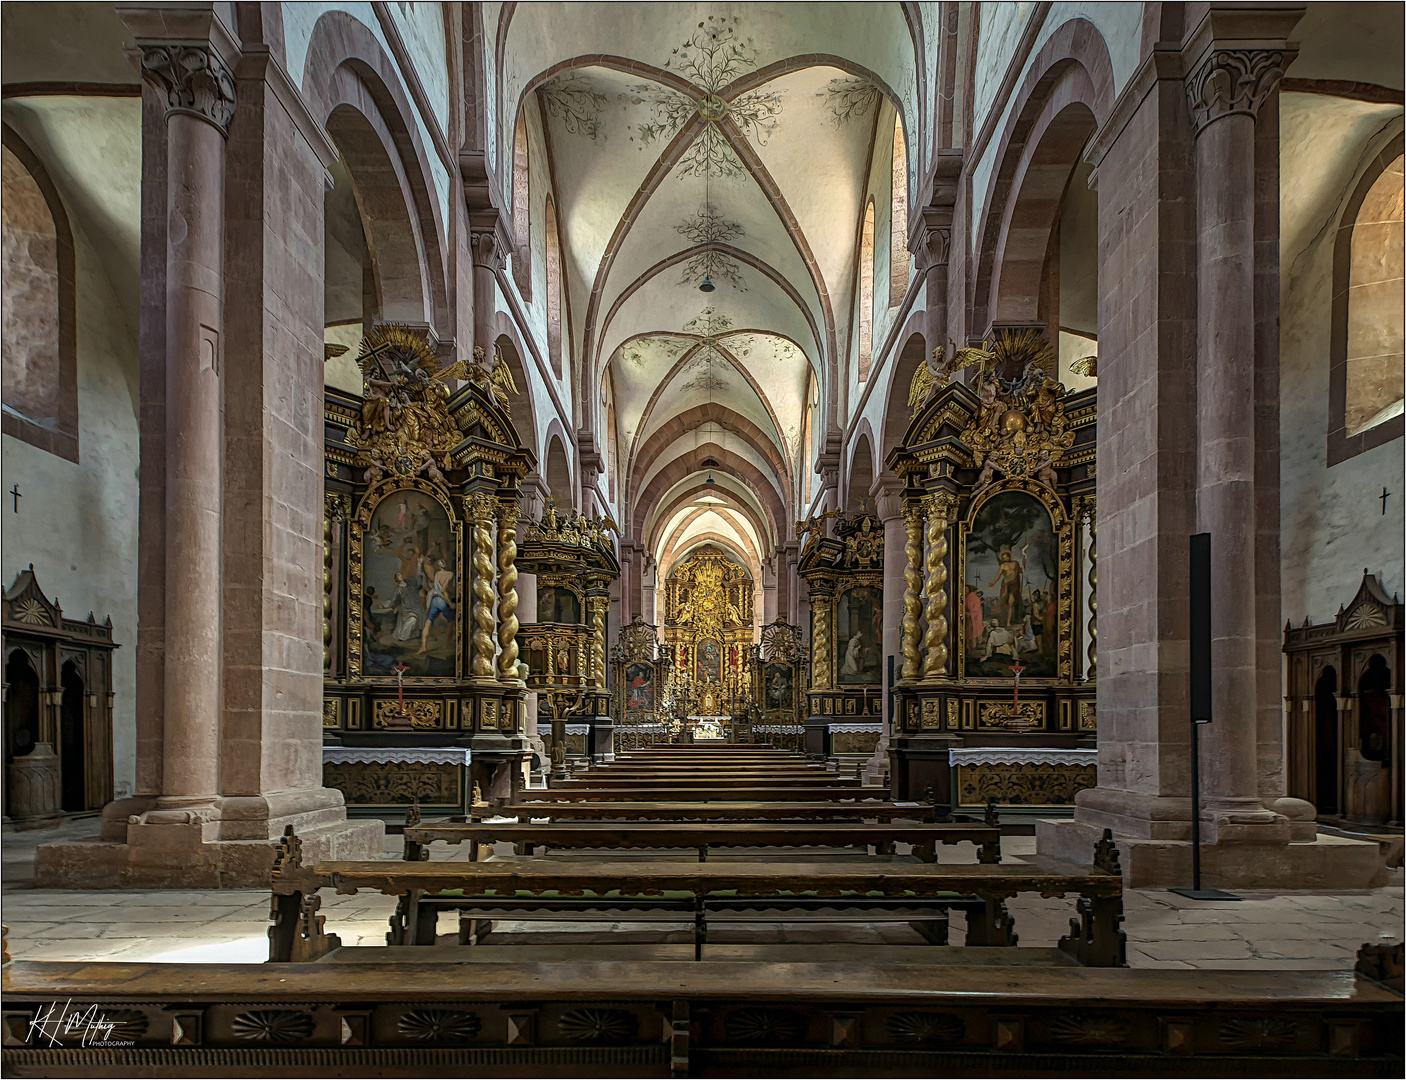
[(1383, 496), (18, 495), (1015, 720), (400, 669)]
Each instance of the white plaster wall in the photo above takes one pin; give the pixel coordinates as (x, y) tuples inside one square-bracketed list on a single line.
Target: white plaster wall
[(77, 523), (1331, 520)]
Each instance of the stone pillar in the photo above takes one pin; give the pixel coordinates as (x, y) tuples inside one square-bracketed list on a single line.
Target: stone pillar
[(487, 261), (1177, 432), (200, 93), (1225, 90), (240, 683)]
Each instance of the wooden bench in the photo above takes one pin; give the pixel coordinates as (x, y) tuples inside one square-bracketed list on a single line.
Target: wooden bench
[(714, 1018), (733, 792), (925, 838), (849, 889), (645, 810)]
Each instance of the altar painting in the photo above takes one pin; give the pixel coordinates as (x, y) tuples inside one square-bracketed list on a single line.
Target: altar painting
[(639, 688), (558, 604), (710, 661), (1009, 604), (410, 587), (777, 684), (859, 636)]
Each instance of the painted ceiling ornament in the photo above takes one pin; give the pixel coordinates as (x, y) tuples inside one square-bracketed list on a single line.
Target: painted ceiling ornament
[(572, 100), (708, 226), (405, 425), (1019, 429), (849, 99), (712, 57), (708, 323)]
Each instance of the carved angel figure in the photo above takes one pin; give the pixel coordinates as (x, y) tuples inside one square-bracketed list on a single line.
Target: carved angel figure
[(934, 373), (375, 467), (430, 470)]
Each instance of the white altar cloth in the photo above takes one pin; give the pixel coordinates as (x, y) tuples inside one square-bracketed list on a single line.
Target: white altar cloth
[(1019, 755), (397, 755)]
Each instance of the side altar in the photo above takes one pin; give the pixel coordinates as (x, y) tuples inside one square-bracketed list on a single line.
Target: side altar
[(420, 628), (998, 630), (846, 577)]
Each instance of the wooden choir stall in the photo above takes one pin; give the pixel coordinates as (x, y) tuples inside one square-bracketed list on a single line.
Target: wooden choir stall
[(1344, 710), (994, 696), (424, 692), (58, 709)]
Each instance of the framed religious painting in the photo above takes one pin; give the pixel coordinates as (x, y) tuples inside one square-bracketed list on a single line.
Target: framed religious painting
[(778, 687), (709, 661), (859, 634), (639, 690), (1010, 612), (405, 613), (557, 602)]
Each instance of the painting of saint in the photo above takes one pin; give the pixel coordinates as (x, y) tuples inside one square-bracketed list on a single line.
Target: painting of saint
[(777, 684), (639, 688), (1012, 576), (558, 604), (410, 590), (859, 636), (710, 661)]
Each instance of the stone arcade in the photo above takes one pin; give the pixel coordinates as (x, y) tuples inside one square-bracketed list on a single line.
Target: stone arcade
[(654, 539)]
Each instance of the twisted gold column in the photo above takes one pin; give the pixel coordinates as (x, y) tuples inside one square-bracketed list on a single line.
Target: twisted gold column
[(820, 643), (1091, 672), (483, 651), (598, 606), (507, 591), (912, 587), (935, 640)]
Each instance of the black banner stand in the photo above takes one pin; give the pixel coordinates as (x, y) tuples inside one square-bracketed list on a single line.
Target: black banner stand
[(1200, 703)]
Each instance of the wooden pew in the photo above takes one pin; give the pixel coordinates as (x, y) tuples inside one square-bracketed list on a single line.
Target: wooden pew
[(733, 792), (714, 1018), (1095, 937), (925, 838), (645, 810)]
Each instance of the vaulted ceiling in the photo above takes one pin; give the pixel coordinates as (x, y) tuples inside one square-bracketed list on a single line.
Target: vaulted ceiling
[(726, 142)]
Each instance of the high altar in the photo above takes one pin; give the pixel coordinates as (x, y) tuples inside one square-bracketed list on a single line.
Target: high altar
[(708, 633), (994, 697), (423, 691)]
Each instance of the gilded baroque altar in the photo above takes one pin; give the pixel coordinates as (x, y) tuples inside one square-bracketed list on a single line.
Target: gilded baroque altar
[(998, 631), (420, 622)]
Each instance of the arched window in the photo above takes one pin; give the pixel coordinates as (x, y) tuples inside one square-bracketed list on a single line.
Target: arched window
[(898, 218), (1365, 383), (38, 334), (611, 446), (866, 293), (522, 214), (808, 433), (554, 304)]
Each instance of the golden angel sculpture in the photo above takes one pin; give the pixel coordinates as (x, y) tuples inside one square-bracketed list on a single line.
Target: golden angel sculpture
[(936, 372)]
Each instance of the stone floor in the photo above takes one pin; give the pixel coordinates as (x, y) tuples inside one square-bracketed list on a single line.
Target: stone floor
[(1284, 930)]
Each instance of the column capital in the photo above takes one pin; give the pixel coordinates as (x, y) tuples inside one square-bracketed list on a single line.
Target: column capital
[(194, 78), (488, 253), (1230, 82)]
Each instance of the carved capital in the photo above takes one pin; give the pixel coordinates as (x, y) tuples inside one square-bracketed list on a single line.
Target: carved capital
[(936, 245), (194, 79), (487, 252), (1230, 82), (940, 506)]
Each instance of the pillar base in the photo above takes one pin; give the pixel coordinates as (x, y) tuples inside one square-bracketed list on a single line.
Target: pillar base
[(1328, 863), (233, 846)]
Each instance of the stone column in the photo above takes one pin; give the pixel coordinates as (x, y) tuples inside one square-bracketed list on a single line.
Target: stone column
[(1225, 90), (487, 261), (200, 98)]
